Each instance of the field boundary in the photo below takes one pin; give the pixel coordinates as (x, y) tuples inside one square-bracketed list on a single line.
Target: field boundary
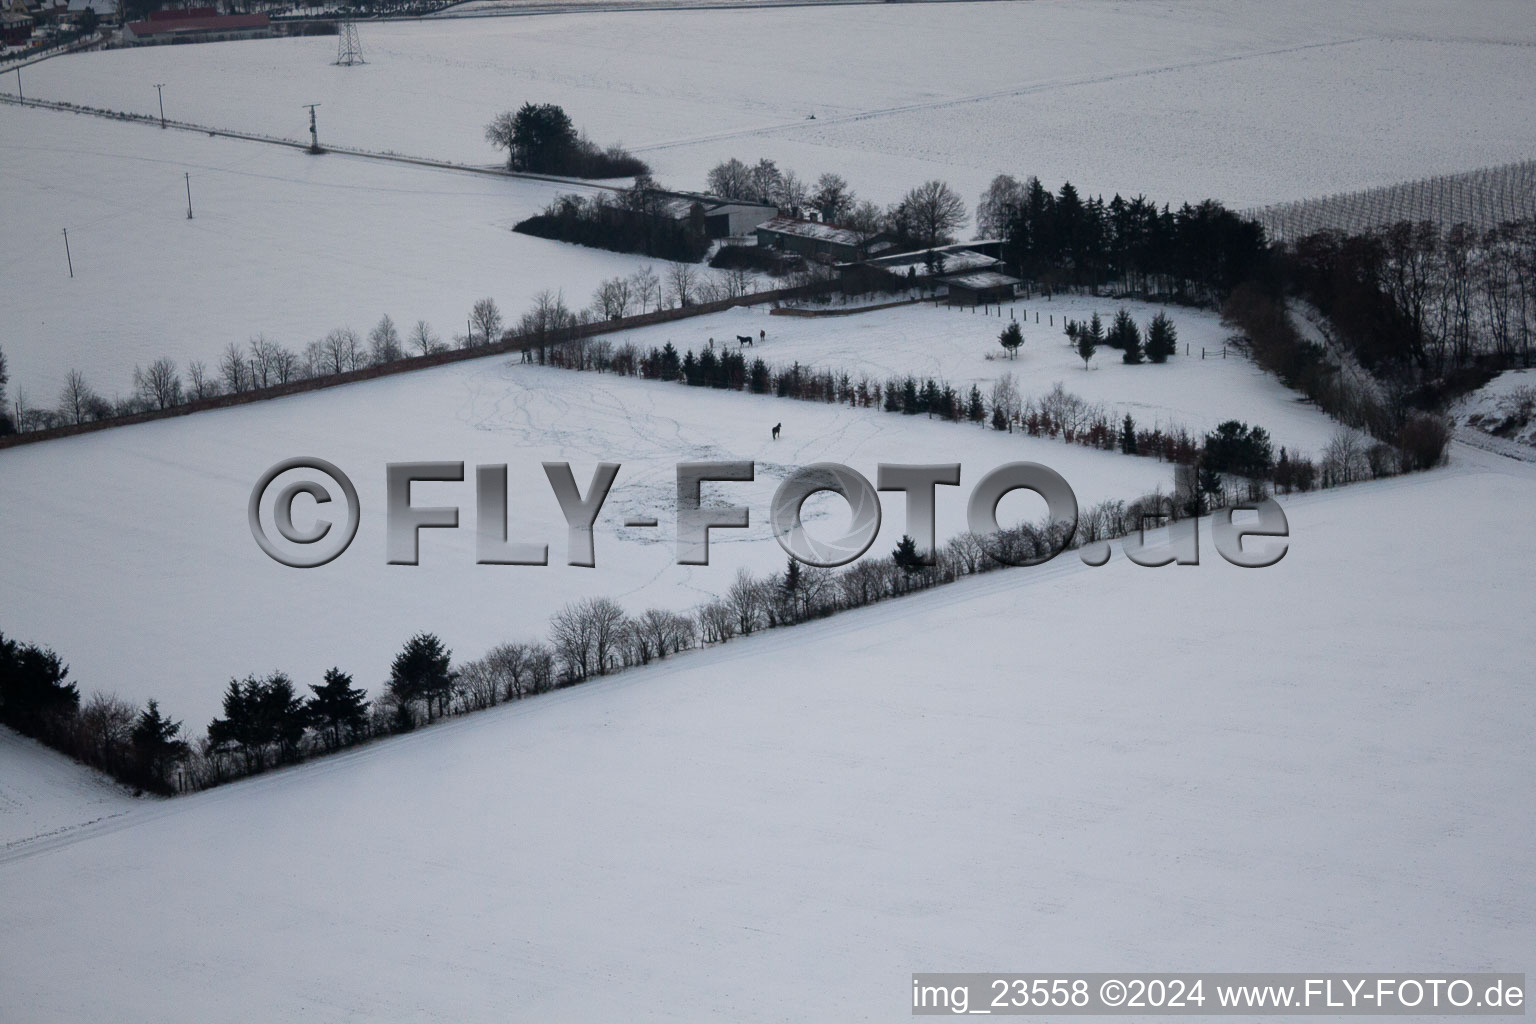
[(509, 342), (152, 121)]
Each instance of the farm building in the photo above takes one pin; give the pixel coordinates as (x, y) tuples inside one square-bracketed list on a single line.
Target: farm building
[(721, 218), (15, 29), (925, 267), (814, 239), (195, 25), (980, 287)]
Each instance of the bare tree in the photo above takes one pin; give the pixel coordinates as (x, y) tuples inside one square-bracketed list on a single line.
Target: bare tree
[(792, 196), (424, 340), (384, 342), (865, 220), (271, 363), (486, 319), (160, 385), (338, 352), (612, 298), (199, 383), (77, 398), (234, 369), (717, 622), (833, 199), (682, 279), (998, 204), (747, 601), (647, 288), (730, 180), (931, 213), (513, 665)]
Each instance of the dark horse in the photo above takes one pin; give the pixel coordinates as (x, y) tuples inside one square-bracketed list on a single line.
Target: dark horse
[(776, 427), (743, 339)]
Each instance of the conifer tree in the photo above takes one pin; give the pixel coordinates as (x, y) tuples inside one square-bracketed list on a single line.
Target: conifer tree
[(1011, 338), (1128, 436), (338, 710), (157, 748), (420, 672), (1162, 339)]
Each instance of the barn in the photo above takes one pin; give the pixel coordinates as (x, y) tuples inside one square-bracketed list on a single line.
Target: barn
[(980, 287), (195, 25)]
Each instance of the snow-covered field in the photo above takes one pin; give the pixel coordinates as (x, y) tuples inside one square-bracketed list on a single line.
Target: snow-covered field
[(1247, 101), (281, 243), (953, 344), (1322, 764), (129, 550), (44, 794)]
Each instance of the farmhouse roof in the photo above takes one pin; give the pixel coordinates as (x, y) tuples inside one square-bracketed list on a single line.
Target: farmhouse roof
[(814, 230), (201, 23), (980, 280), (956, 259)]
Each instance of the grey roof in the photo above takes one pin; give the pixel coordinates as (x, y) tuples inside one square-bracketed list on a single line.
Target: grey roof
[(981, 279)]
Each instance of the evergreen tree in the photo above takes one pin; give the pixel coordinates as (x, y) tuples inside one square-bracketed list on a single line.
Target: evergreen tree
[(975, 408), (907, 557), (670, 363), (284, 713), (35, 694), (909, 397), (759, 378), (1162, 339), (1128, 436), (1011, 338), (1129, 336), (1095, 330), (1086, 345), (420, 672), (691, 374), (157, 748), (338, 710)]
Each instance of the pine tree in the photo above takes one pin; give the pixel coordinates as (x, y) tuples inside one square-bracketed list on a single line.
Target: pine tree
[(337, 710), (284, 710), (906, 556), (1011, 338), (420, 672), (1162, 339), (157, 748), (35, 694), (1086, 345), (1130, 338), (669, 362), (975, 408), (759, 377), (1128, 436), (791, 582)]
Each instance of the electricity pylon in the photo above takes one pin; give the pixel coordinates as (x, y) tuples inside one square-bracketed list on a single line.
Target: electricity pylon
[(348, 50)]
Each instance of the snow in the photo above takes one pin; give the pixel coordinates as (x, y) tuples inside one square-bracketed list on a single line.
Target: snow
[(282, 243), (132, 543), (1242, 100), (1117, 769), (45, 795), (1505, 407), (954, 343)]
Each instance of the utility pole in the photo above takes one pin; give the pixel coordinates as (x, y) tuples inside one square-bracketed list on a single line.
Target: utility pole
[(19, 96), (188, 176), (314, 134), (160, 91), (67, 256)]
